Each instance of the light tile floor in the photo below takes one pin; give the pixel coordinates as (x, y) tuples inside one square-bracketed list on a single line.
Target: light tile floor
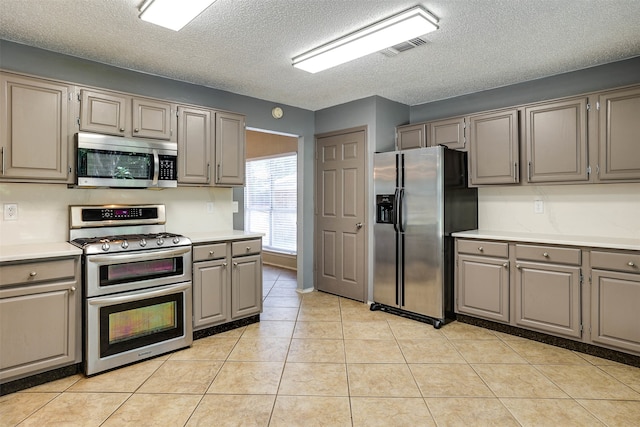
[(319, 360)]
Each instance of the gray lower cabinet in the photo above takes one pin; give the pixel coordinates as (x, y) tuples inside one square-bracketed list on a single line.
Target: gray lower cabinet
[(482, 287), (615, 299), (40, 316), (226, 287), (547, 290)]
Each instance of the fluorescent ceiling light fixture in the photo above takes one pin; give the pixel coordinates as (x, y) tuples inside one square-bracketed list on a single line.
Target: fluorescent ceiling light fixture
[(172, 14), (381, 35)]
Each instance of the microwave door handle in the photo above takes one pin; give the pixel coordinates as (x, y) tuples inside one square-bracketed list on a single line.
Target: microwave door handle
[(156, 167)]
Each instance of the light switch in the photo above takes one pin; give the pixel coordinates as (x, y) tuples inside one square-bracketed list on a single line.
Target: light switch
[(235, 206), (210, 207)]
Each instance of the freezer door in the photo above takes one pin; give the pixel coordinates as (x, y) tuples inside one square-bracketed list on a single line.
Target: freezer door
[(385, 279), (423, 224)]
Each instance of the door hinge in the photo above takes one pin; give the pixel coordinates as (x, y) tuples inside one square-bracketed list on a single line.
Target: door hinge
[(177, 115), (588, 107), (581, 328), (581, 277), (78, 120)]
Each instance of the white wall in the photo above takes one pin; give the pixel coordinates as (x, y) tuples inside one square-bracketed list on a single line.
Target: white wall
[(43, 209), (604, 210)]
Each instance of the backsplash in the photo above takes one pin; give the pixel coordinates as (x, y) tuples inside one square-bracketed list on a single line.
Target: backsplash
[(606, 210), (43, 210)]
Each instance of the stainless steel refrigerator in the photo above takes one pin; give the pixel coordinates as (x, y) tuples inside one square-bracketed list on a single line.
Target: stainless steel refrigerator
[(421, 198)]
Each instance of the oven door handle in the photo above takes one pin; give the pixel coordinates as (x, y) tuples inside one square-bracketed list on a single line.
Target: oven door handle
[(145, 256), (137, 295)]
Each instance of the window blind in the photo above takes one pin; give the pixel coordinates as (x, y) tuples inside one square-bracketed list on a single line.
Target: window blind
[(270, 201)]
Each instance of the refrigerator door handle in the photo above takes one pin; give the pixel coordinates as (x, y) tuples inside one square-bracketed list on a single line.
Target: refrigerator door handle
[(400, 217), (395, 211)]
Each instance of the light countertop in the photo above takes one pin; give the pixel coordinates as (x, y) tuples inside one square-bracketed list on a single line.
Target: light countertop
[(29, 251), (553, 239), (220, 236)]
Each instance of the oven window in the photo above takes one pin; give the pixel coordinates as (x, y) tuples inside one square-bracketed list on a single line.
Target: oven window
[(140, 323), (113, 274)]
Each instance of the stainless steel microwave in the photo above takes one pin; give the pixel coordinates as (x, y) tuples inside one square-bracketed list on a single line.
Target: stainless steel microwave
[(113, 161)]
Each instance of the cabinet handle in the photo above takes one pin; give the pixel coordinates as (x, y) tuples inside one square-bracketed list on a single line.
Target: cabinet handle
[(529, 172), (136, 130), (2, 151), (73, 289), (208, 172), (121, 129), (518, 266), (218, 173), (33, 274), (224, 265), (546, 254), (480, 249), (235, 264), (248, 248), (210, 252), (515, 172), (631, 264), (505, 265)]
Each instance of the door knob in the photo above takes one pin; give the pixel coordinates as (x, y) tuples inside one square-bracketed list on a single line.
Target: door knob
[(359, 225)]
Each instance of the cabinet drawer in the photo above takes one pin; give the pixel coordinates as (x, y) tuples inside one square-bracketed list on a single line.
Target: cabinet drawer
[(37, 271), (206, 252), (620, 261), (553, 254), (483, 247), (246, 247)]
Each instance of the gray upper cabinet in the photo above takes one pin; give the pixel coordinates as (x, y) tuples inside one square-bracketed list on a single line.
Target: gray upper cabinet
[(493, 145), (195, 151), (230, 149), (119, 114), (450, 133), (556, 141), (619, 135), (35, 129), (411, 136)]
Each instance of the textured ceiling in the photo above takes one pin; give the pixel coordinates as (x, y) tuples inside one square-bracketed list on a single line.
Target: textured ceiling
[(246, 47)]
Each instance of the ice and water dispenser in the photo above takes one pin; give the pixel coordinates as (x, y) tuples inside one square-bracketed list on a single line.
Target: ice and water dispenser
[(384, 208)]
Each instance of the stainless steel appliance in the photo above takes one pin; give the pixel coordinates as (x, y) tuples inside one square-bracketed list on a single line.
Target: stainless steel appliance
[(113, 161), (137, 284), (421, 198)]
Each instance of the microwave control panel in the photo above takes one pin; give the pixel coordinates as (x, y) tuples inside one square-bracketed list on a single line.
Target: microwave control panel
[(168, 168)]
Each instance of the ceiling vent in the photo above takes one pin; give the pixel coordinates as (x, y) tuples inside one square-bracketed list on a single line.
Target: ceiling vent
[(404, 46)]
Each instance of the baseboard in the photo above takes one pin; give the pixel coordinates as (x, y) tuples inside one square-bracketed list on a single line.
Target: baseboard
[(276, 259)]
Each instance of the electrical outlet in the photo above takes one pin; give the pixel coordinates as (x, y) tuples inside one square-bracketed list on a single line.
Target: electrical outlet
[(234, 204), (538, 206), (210, 207), (10, 211)]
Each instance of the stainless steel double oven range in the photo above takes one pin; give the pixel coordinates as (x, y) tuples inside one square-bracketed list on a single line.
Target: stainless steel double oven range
[(137, 284)]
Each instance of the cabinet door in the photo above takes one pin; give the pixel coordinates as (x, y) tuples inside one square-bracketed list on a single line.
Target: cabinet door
[(615, 298), (230, 149), (556, 140), (152, 119), (38, 328), (194, 146), (246, 286), (102, 112), (34, 129), (483, 287), (210, 293), (412, 136), (548, 298), (449, 133), (493, 145), (619, 142)]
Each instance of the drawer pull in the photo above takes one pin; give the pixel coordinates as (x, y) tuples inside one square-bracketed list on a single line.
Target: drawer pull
[(73, 289), (210, 252), (121, 129), (248, 248), (480, 249), (505, 265), (224, 265), (546, 254), (235, 264), (518, 266), (33, 274), (631, 264)]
